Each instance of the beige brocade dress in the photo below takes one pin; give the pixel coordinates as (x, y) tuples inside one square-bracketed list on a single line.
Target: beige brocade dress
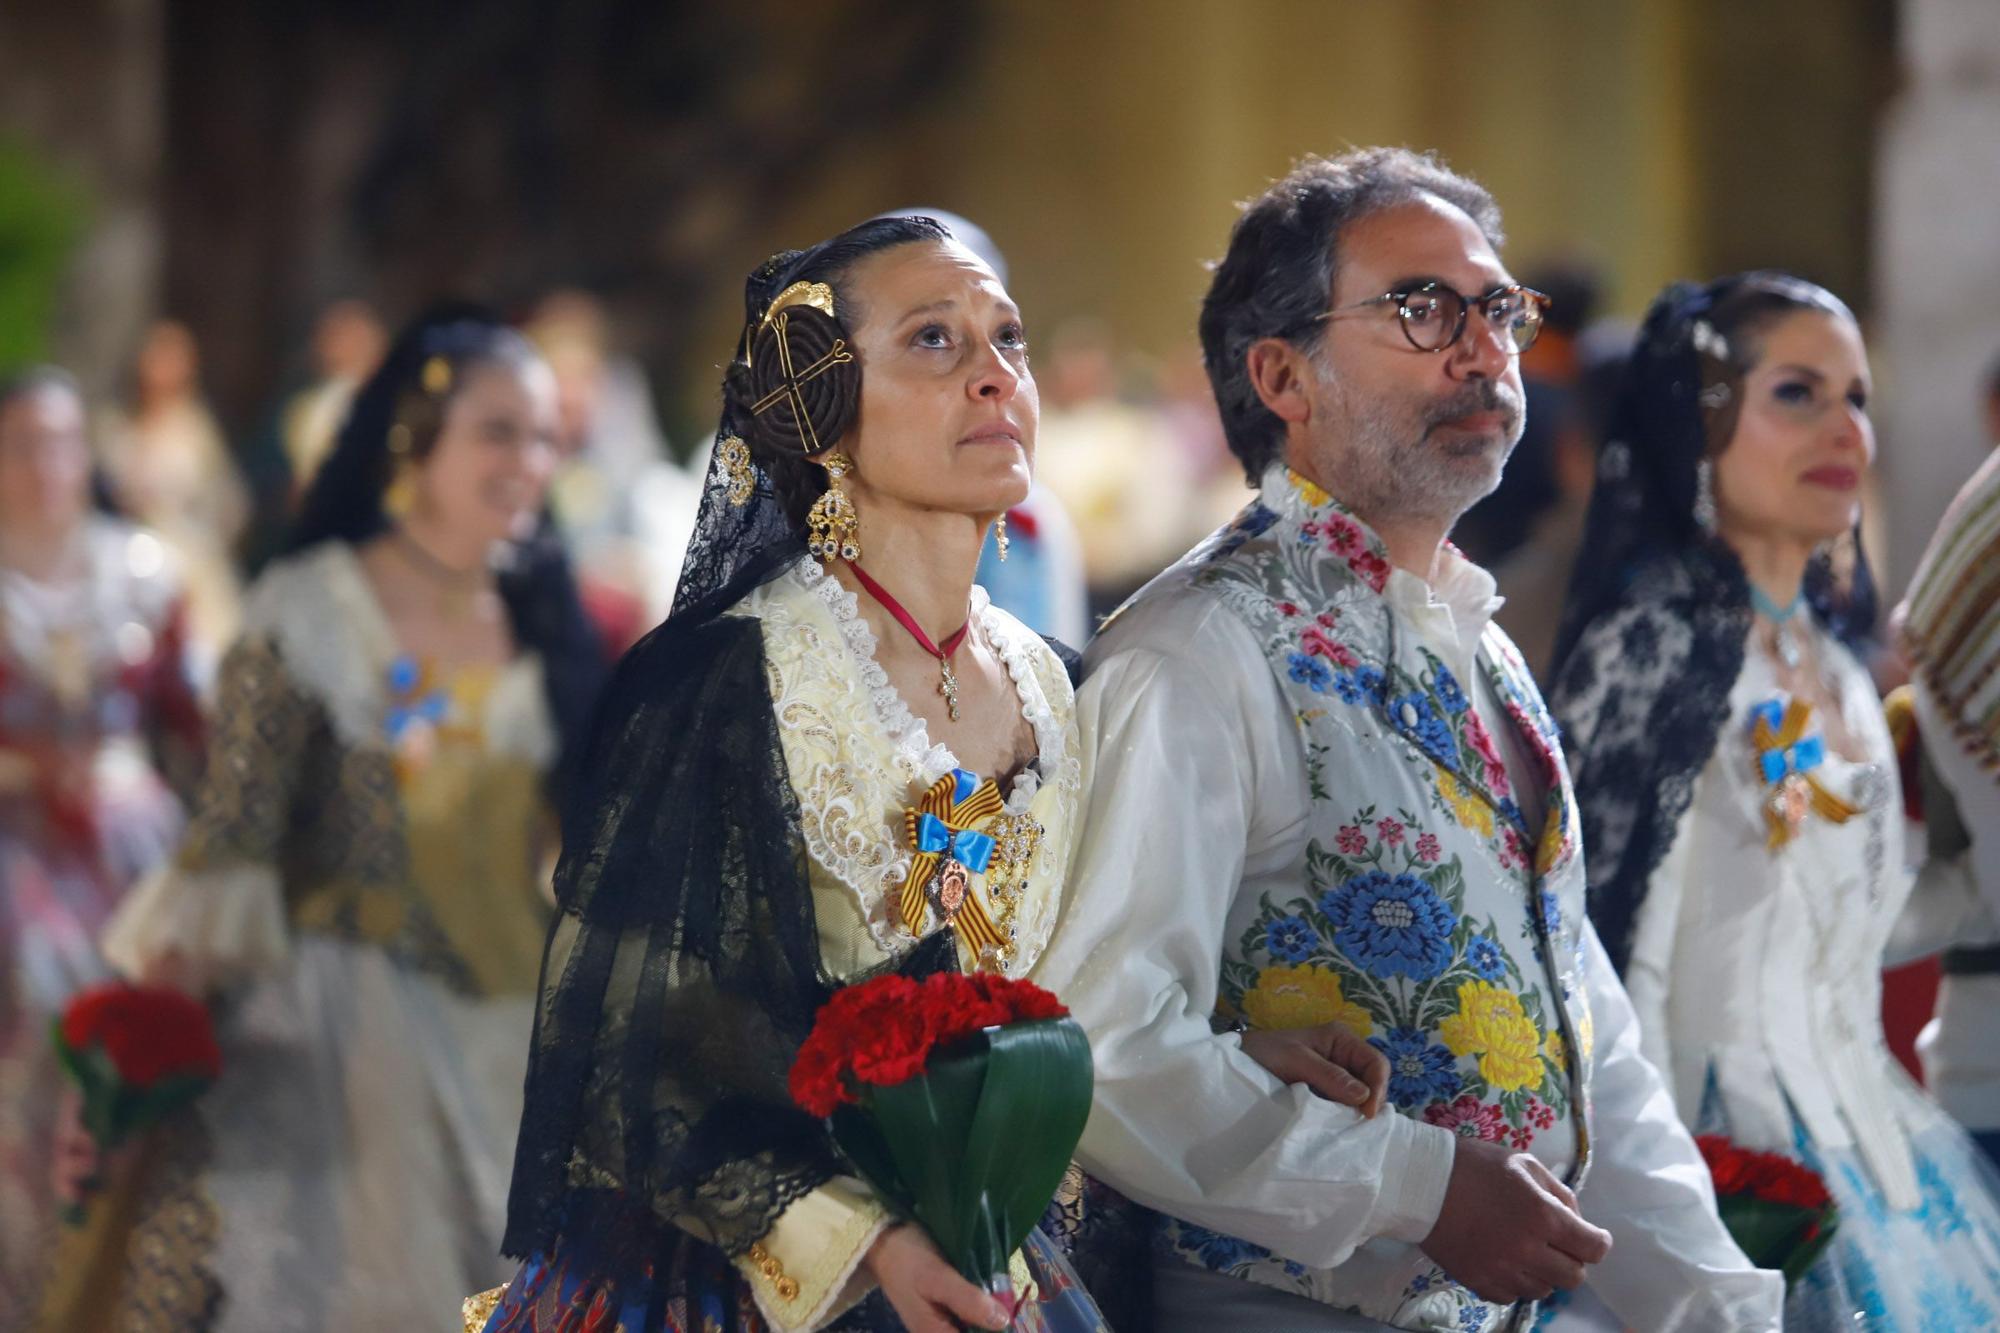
[(364, 879)]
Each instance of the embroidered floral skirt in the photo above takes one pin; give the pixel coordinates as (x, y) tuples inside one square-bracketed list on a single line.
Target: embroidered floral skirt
[(1931, 1269), (347, 1172), (653, 1278), (54, 899)]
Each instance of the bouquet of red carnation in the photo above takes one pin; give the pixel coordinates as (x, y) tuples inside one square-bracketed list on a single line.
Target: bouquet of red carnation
[(1777, 1210), (137, 1054), (959, 1098)]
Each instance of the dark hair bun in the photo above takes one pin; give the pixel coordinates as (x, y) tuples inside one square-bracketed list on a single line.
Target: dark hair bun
[(801, 387)]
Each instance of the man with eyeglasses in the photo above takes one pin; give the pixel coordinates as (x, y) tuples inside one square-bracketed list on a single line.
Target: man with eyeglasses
[(1324, 791)]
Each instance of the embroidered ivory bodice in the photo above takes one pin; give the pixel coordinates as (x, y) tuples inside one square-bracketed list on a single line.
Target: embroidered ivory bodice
[(859, 760)]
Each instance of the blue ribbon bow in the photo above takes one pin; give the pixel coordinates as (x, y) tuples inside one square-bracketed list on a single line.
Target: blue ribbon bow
[(1804, 754), (969, 847)]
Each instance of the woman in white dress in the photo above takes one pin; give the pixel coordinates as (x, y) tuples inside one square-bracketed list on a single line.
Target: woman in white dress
[(362, 885), (1739, 788)]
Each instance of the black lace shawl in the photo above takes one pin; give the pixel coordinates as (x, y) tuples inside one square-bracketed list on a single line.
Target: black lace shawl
[(1657, 621)]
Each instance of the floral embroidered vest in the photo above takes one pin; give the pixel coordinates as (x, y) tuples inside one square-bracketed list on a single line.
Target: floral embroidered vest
[(1431, 918)]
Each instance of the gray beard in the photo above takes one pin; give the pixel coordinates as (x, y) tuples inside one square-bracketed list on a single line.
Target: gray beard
[(1390, 465)]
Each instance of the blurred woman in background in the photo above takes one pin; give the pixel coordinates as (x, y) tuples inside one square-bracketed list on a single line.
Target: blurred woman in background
[(1739, 790), (364, 876), (98, 727), (170, 467)]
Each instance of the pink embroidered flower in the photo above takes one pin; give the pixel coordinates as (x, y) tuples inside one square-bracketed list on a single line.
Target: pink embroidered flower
[(1489, 754), (1328, 619), (1468, 1119), (1350, 840), (1289, 608), (1427, 848), (1540, 1113), (1521, 1138), (1344, 536), (1390, 832), (1545, 757), (1372, 568), (1514, 850), (1315, 642)]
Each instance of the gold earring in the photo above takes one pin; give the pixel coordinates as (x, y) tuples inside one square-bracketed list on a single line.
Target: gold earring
[(401, 497), (835, 530), (1000, 538)]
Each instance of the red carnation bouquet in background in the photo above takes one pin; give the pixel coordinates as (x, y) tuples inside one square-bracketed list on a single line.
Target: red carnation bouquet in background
[(137, 1054), (959, 1098), (1777, 1210)]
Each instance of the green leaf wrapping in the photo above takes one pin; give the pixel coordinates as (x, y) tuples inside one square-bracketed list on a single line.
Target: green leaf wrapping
[(973, 1148), (1775, 1235), (113, 1110)]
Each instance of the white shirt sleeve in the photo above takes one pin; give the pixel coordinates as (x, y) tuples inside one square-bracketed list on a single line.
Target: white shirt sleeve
[(1184, 736), (1673, 1267)]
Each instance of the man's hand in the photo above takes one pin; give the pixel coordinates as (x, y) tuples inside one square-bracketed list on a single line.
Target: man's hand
[(927, 1293), (1509, 1229), (1329, 1059)]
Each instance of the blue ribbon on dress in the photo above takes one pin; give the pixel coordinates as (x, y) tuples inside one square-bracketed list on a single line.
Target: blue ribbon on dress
[(1802, 756), (969, 847)]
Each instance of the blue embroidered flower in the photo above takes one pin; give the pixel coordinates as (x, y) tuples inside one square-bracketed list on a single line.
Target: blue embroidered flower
[(1416, 714), (1215, 1251), (1393, 925), (1374, 685), (1512, 811), (1449, 693), (1311, 672), (1552, 917), (1348, 686), (1948, 1309), (1940, 1213), (1291, 938), (1419, 1072), (1472, 1318), (1486, 959)]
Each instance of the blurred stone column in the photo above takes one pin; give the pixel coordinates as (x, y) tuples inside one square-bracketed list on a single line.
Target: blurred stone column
[(81, 83), (1937, 265)]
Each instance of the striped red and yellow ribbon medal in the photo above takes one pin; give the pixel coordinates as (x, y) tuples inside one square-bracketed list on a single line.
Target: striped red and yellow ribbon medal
[(946, 830)]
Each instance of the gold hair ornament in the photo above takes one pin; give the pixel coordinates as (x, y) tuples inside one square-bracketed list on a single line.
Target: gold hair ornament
[(815, 294), (436, 376), (735, 456)]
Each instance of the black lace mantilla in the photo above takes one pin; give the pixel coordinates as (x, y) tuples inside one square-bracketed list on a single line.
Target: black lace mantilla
[(1642, 698), (683, 969)]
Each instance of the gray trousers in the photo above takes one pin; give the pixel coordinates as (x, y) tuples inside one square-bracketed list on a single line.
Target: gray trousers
[(1194, 1300)]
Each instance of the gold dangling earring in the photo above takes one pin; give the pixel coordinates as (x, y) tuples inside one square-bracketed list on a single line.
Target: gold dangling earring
[(401, 495), (835, 530), (1000, 538)]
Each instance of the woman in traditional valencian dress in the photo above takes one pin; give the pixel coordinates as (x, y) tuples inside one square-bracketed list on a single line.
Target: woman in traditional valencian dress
[(1739, 789), (98, 726), (740, 847), (363, 884)]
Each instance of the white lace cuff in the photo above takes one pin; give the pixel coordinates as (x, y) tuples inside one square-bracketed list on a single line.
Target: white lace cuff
[(223, 925)]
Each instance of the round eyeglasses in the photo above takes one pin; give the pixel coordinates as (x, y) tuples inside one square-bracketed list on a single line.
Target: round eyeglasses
[(1433, 316)]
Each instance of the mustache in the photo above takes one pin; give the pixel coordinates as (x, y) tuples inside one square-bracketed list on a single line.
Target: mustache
[(1477, 396)]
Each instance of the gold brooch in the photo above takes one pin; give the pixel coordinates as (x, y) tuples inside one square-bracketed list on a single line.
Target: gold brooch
[(735, 456)]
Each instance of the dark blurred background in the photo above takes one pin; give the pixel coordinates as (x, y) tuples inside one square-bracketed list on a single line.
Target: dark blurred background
[(241, 165)]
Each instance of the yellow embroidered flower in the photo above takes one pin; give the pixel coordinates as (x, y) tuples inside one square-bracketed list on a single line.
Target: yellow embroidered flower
[(1313, 493), (1586, 1034), (1301, 995), (1558, 1051), (1469, 810), (1553, 839), (1491, 1024)]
